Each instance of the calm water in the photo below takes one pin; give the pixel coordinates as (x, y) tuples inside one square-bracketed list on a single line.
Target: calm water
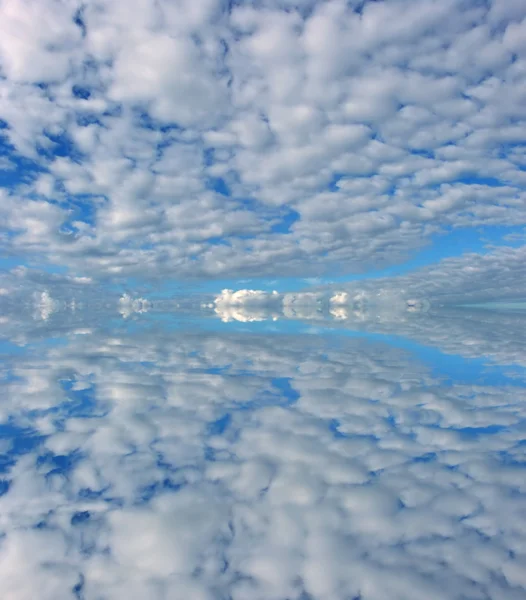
[(164, 457)]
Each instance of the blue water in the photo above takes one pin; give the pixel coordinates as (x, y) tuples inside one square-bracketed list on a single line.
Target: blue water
[(201, 457)]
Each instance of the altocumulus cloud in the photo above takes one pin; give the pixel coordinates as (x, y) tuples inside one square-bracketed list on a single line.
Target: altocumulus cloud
[(472, 278), (166, 465), (210, 138)]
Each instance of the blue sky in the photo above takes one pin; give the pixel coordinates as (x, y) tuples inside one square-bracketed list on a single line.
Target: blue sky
[(201, 145)]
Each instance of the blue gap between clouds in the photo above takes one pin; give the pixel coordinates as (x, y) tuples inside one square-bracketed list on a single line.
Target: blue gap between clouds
[(24, 170), (290, 217), (287, 217), (80, 403), (453, 242), (83, 209), (23, 440), (147, 492), (218, 184), (78, 19), (81, 92), (146, 121), (26, 439), (283, 395), (62, 145)]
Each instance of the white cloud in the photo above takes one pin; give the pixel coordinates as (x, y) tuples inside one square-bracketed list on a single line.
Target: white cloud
[(232, 306), (128, 305), (45, 306), (39, 41), (377, 123)]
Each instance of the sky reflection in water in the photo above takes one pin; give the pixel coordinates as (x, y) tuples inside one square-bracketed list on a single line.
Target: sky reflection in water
[(159, 458)]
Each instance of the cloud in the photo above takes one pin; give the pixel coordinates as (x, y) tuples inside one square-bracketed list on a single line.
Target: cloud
[(169, 140), (176, 464), (496, 276), (230, 305), (129, 305)]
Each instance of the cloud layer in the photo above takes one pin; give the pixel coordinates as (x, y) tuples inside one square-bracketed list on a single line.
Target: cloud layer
[(210, 139), (173, 465), (499, 275)]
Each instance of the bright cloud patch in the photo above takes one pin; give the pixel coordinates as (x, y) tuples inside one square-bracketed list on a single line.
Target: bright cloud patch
[(205, 139)]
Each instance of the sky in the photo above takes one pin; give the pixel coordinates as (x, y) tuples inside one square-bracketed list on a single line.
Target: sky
[(201, 145)]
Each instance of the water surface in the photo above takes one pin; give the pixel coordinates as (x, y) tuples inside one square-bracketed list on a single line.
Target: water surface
[(161, 457)]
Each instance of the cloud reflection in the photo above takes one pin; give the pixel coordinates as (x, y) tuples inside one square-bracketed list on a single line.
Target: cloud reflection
[(178, 465), (498, 336)]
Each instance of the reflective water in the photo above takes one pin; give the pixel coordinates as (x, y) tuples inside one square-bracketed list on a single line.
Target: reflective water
[(182, 457)]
